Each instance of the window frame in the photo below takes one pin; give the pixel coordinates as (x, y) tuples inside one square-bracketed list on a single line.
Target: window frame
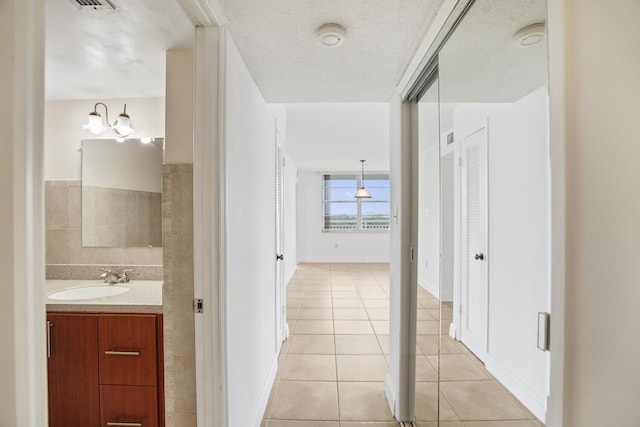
[(358, 202)]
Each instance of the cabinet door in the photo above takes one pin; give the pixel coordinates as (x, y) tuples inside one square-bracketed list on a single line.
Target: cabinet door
[(128, 353), (134, 406), (73, 370)]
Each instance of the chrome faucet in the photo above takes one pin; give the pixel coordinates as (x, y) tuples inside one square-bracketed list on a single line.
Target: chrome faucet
[(112, 278)]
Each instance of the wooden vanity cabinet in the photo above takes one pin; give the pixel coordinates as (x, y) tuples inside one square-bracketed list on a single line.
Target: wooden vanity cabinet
[(105, 370), (72, 350)]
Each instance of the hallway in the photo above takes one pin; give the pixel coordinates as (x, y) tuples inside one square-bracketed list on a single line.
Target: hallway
[(332, 367)]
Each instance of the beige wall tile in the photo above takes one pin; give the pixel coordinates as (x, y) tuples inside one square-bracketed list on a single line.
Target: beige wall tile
[(56, 206), (64, 237), (177, 258), (57, 247)]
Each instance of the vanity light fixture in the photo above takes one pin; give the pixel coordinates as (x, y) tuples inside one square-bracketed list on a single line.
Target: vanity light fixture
[(121, 126), (362, 192)]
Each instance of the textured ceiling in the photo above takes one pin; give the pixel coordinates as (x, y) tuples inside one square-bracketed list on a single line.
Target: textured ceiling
[(277, 40), (481, 62), (101, 54)]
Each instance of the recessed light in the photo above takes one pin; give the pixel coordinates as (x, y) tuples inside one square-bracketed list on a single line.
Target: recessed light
[(331, 35), (530, 35)]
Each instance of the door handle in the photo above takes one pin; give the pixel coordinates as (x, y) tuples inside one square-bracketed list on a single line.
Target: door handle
[(49, 326), (479, 257), (279, 257), (123, 424), (121, 353)]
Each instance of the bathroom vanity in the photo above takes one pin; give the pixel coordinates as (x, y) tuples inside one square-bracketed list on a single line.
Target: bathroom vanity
[(105, 356)]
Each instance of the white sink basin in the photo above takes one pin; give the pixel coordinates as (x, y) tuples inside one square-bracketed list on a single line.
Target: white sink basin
[(89, 292)]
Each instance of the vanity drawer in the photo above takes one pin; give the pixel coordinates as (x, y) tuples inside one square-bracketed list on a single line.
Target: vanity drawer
[(128, 349), (130, 406)]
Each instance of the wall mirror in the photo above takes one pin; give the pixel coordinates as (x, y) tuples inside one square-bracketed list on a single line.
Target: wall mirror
[(122, 192), (483, 203)]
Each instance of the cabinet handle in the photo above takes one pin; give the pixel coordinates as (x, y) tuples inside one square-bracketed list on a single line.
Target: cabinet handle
[(118, 423), (122, 353), (49, 326)]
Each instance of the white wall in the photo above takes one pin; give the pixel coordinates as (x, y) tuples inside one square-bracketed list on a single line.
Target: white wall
[(63, 130), (314, 245), (335, 136), (601, 67), (179, 129), (250, 238), (129, 165), (518, 254), (447, 209), (290, 218), (429, 222), (518, 241)]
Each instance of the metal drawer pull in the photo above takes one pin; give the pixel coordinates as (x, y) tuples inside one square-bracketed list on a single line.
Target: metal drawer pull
[(120, 424), (122, 353), (49, 326)]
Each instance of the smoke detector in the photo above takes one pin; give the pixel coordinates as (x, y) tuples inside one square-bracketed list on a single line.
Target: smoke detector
[(331, 35), (530, 35)]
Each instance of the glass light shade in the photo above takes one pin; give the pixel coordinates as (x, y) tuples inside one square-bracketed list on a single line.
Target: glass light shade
[(122, 125), (95, 124), (363, 193)]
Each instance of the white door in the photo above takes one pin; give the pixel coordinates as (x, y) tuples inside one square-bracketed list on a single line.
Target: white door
[(474, 298), (281, 315)]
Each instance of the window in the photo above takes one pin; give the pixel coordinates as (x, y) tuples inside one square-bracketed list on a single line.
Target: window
[(343, 212)]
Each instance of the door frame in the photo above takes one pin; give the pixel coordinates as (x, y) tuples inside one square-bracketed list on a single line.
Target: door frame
[(478, 347), (209, 199), (23, 367), (282, 327)]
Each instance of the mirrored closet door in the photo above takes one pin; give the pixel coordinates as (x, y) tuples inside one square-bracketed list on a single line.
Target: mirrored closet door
[(483, 221)]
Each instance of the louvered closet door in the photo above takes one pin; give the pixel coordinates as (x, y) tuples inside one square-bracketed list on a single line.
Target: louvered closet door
[(281, 323), (474, 309)]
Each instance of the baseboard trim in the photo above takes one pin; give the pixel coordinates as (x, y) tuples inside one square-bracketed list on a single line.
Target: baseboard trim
[(389, 393), (345, 260), (429, 287), (289, 276), (533, 402), (258, 413)]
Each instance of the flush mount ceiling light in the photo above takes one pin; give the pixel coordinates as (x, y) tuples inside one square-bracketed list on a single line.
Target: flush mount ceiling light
[(331, 35), (121, 126), (530, 35), (362, 193)]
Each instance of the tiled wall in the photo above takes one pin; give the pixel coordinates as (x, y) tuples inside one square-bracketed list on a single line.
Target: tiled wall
[(117, 217), (179, 332), (63, 222)]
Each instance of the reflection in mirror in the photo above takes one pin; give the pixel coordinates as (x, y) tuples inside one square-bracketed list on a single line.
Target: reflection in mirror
[(428, 273), (122, 192), (494, 198)]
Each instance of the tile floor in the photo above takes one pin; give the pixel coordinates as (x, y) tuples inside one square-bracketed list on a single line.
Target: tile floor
[(332, 367)]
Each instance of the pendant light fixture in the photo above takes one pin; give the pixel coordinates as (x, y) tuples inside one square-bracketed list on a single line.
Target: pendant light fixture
[(121, 127), (362, 193)]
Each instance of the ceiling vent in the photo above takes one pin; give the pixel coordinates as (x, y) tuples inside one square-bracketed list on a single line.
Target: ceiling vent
[(94, 5)]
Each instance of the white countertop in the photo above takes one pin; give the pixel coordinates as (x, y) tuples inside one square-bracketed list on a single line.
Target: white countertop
[(145, 296)]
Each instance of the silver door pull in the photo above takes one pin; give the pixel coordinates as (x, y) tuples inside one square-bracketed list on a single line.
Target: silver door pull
[(122, 353), (120, 424)]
